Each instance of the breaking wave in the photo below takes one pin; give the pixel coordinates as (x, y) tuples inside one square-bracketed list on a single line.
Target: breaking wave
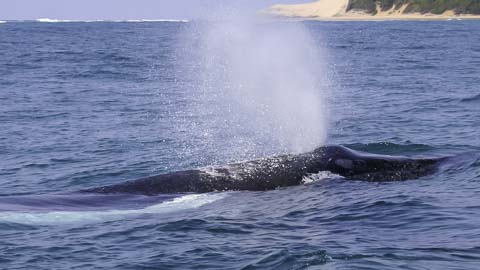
[(47, 20)]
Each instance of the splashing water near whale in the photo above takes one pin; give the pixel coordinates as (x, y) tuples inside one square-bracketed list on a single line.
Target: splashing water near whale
[(78, 215)]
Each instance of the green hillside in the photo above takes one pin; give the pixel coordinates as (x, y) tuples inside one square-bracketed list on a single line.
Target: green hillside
[(421, 6)]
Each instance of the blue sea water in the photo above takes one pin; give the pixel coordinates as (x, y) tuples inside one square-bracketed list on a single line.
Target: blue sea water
[(89, 104)]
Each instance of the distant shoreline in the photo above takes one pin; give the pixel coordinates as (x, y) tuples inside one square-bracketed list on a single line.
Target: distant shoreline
[(336, 10), (382, 18)]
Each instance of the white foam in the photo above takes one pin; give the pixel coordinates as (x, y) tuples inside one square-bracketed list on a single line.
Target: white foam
[(61, 217), (47, 20), (3, 22), (156, 20), (320, 176)]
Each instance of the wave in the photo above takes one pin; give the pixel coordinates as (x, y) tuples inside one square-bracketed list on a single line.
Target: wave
[(62, 217), (3, 22), (47, 20), (290, 259), (389, 148), (469, 99), (160, 20)]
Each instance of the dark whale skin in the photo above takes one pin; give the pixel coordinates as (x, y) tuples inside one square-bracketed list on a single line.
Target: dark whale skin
[(280, 171)]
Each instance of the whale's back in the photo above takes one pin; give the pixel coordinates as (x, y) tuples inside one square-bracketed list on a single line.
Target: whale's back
[(358, 165)]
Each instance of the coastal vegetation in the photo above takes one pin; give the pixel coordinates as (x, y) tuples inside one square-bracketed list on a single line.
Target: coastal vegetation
[(416, 6)]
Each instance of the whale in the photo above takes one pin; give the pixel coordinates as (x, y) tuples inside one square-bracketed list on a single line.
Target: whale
[(280, 171)]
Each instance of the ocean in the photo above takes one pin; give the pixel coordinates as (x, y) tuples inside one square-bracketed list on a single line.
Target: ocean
[(86, 104)]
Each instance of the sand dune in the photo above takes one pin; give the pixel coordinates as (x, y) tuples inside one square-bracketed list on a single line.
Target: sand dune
[(337, 10), (318, 9)]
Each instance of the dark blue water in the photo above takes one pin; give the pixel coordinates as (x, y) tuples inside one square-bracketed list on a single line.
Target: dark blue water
[(90, 104)]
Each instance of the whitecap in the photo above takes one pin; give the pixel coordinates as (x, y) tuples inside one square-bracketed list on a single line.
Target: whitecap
[(62, 217), (3, 22), (47, 20), (155, 20)]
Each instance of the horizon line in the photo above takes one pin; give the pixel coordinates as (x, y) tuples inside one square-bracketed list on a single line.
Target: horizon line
[(49, 20)]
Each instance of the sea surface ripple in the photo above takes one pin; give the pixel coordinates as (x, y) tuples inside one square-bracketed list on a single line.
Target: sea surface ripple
[(90, 104)]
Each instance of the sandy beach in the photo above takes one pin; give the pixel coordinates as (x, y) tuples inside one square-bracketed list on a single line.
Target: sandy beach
[(337, 10)]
